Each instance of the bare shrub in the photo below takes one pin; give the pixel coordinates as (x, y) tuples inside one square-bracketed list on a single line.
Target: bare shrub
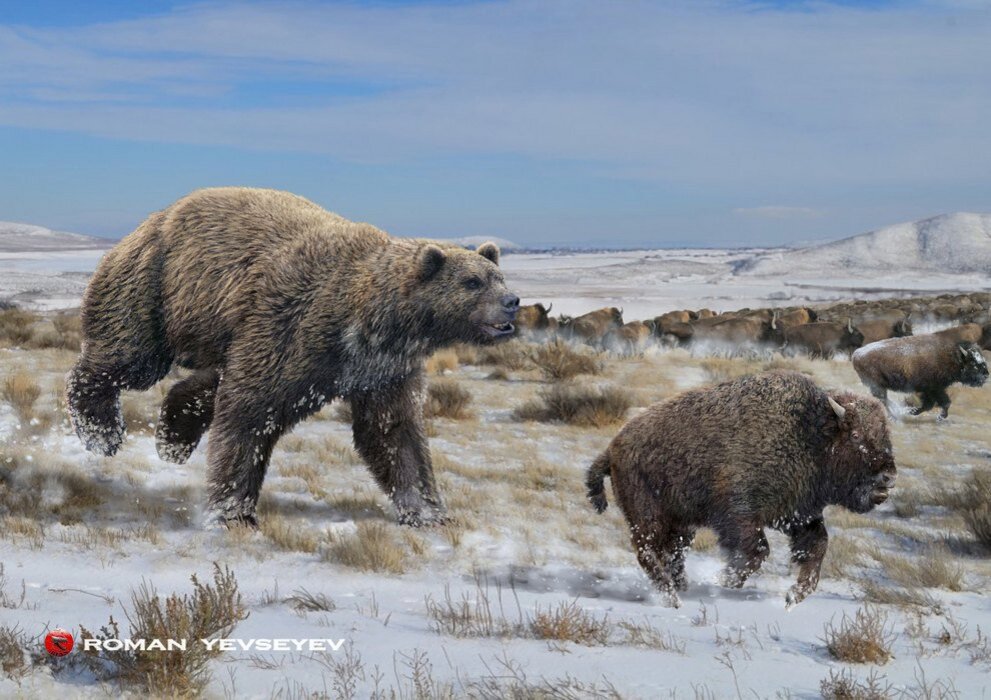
[(466, 354), (13, 661), (569, 622), (447, 399), (498, 374), (472, 615), (342, 412), (33, 488), (69, 331), (558, 360), (212, 610), (289, 535), (843, 685), (902, 597), (21, 391), (372, 547), (864, 638), (577, 405)]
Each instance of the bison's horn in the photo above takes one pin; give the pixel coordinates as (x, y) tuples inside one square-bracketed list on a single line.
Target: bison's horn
[(963, 351), (849, 324), (549, 307), (774, 321), (837, 409)]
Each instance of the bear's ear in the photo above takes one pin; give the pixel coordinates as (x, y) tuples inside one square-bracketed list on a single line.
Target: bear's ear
[(429, 261), (489, 251)]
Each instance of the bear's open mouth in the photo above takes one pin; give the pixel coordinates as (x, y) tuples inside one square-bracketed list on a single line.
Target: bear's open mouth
[(497, 329)]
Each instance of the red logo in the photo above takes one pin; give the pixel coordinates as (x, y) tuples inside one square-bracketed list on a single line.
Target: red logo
[(58, 642)]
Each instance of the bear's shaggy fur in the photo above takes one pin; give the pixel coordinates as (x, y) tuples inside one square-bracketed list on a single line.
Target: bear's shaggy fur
[(278, 306), (769, 450)]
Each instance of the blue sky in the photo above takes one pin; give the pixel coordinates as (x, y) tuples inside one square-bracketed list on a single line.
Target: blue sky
[(551, 122)]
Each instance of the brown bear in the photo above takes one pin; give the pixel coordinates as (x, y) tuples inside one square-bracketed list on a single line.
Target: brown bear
[(278, 306)]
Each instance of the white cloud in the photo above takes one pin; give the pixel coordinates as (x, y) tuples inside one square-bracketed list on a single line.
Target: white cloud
[(696, 93)]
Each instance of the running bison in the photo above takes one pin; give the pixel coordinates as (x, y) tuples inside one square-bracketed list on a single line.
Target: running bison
[(923, 364), (770, 450), (278, 306)]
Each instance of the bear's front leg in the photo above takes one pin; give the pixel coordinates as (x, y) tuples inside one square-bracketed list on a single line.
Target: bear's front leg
[(389, 434), (242, 436)]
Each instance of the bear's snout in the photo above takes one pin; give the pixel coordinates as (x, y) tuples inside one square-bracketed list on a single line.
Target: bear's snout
[(511, 304)]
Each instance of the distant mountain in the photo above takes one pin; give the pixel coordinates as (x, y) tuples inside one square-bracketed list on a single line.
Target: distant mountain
[(25, 238), (949, 244), (475, 241)]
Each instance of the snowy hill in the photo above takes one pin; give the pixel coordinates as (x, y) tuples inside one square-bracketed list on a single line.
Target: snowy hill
[(475, 241), (949, 244), (22, 238)]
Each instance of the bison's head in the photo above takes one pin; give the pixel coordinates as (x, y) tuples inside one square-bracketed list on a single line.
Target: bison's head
[(861, 458), (973, 366)]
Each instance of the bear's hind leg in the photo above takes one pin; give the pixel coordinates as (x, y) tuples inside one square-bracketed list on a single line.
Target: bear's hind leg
[(186, 414), (92, 391)]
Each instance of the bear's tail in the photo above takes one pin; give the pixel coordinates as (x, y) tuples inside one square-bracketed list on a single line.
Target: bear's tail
[(594, 478)]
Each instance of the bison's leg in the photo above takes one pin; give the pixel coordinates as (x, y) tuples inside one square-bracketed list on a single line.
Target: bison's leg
[(808, 547), (881, 394), (389, 435), (186, 414), (928, 401), (658, 552), (943, 401), (747, 548), (93, 389)]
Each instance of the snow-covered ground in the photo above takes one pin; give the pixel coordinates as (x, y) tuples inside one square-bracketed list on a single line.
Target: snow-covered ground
[(523, 536)]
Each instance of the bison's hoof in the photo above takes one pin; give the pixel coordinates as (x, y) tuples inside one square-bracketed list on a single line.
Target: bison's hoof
[(102, 438), (671, 600)]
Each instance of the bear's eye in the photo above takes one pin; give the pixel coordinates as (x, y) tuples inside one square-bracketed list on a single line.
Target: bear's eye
[(473, 283)]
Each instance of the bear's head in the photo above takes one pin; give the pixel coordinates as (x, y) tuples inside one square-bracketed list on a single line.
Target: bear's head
[(463, 294)]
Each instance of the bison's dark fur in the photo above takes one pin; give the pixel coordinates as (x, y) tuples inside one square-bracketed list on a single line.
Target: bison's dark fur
[(770, 450), (925, 364), (822, 338)]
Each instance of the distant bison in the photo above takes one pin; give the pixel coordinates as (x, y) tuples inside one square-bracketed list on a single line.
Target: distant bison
[(533, 320), (630, 338), (770, 450), (738, 332), (822, 338), (925, 364), (592, 327), (891, 326)]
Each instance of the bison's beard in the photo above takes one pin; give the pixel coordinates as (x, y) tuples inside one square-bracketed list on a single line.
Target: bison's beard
[(865, 497)]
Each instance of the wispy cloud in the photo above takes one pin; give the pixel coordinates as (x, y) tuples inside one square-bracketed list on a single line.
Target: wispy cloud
[(779, 212), (703, 92)]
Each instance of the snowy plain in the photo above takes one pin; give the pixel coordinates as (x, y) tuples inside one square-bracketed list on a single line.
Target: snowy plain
[(524, 534)]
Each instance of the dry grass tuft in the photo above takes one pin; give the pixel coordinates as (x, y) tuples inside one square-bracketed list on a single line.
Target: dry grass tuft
[(578, 405), (558, 361), (973, 502), (442, 361), (705, 540), (21, 391), (302, 599), (447, 399), (212, 610), (16, 327), (289, 535), (569, 622), (644, 634), (514, 355), (864, 638), (935, 568), (874, 592), (372, 547)]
